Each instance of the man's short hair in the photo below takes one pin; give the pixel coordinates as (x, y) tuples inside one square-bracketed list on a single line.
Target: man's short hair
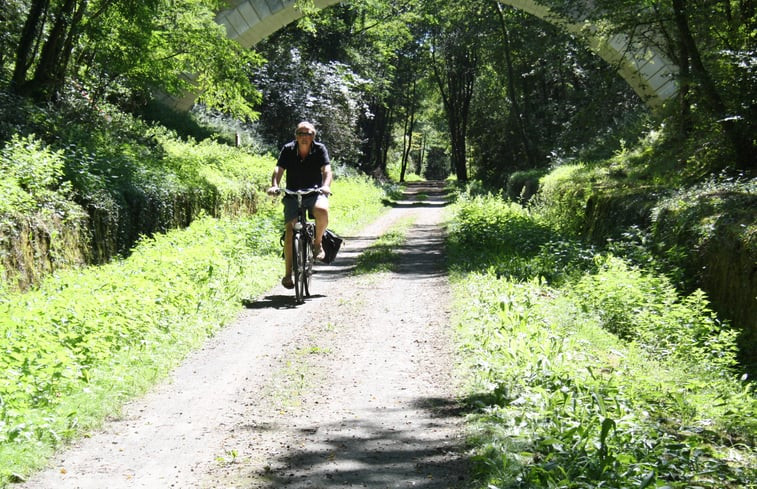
[(307, 125)]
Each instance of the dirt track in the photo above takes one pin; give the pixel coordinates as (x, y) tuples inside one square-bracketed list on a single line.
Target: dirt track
[(355, 388)]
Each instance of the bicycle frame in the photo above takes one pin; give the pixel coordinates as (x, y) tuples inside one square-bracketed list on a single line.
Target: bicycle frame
[(303, 234)]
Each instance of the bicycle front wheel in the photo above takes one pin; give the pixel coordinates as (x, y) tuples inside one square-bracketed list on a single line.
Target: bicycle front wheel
[(308, 259), (299, 262)]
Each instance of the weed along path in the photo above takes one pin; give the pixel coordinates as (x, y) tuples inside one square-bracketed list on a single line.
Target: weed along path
[(354, 388)]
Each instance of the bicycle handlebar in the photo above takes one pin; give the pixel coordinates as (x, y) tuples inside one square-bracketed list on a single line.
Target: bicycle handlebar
[(307, 191)]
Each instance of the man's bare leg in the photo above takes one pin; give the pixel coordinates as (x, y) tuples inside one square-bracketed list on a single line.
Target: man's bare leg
[(321, 213)]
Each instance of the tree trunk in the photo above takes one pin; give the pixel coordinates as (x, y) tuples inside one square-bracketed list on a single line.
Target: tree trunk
[(407, 140), (711, 99), (684, 89), (385, 139), (29, 39), (373, 147), (405, 146), (421, 152), (525, 140), (50, 67), (456, 88), (68, 47)]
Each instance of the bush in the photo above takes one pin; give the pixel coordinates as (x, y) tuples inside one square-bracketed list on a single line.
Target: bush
[(41, 227), (605, 377), (562, 197), (86, 338), (33, 179), (522, 185), (646, 308), (496, 227), (132, 178), (710, 232)]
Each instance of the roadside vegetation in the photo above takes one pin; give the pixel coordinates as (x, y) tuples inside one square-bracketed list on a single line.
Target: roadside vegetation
[(586, 367), (86, 339)]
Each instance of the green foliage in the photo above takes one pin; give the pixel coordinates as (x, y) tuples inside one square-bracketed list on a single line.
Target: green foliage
[(647, 309), (437, 165), (563, 194), (41, 226), (355, 201), (125, 51), (542, 96), (693, 219), (33, 179), (522, 185), (712, 121), (131, 178), (393, 170), (495, 228), (604, 378), (511, 242)]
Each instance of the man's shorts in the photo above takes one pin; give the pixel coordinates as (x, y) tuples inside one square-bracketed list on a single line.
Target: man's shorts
[(290, 205)]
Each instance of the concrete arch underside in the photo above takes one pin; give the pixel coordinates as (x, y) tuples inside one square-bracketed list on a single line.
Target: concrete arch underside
[(649, 73)]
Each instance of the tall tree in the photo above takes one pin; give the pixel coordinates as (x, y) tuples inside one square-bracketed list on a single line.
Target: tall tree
[(517, 110), (138, 47), (30, 38), (50, 73), (712, 42), (710, 95), (454, 63)]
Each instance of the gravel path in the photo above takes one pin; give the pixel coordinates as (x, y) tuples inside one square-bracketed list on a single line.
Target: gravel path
[(355, 388)]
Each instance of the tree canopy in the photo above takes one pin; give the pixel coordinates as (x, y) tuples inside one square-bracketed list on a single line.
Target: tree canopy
[(483, 87), (126, 51)]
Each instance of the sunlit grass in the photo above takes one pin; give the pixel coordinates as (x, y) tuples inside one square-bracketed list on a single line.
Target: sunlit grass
[(558, 399)]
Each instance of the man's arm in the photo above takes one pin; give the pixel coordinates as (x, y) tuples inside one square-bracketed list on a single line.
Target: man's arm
[(326, 178), (278, 172)]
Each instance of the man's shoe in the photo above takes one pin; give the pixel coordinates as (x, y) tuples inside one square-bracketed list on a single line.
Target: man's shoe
[(287, 282)]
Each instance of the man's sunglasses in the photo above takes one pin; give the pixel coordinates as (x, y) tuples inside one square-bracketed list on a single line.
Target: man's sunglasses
[(300, 133)]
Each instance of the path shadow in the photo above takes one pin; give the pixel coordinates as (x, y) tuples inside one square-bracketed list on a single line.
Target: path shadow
[(421, 194), (422, 256), (374, 450), (411, 204)]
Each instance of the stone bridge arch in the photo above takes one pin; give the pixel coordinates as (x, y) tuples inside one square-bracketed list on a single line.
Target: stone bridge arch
[(649, 73)]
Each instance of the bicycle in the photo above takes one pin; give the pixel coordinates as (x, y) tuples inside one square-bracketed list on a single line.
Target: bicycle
[(302, 246)]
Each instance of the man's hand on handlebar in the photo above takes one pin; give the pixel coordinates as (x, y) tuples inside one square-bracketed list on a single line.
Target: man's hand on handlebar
[(274, 190)]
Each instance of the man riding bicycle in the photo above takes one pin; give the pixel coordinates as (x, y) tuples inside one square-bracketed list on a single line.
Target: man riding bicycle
[(307, 165)]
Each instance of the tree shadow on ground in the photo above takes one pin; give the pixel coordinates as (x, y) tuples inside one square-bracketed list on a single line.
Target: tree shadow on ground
[(419, 257), (421, 194), (376, 451)]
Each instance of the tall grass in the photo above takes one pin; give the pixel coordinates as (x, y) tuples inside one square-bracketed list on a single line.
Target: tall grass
[(585, 371)]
